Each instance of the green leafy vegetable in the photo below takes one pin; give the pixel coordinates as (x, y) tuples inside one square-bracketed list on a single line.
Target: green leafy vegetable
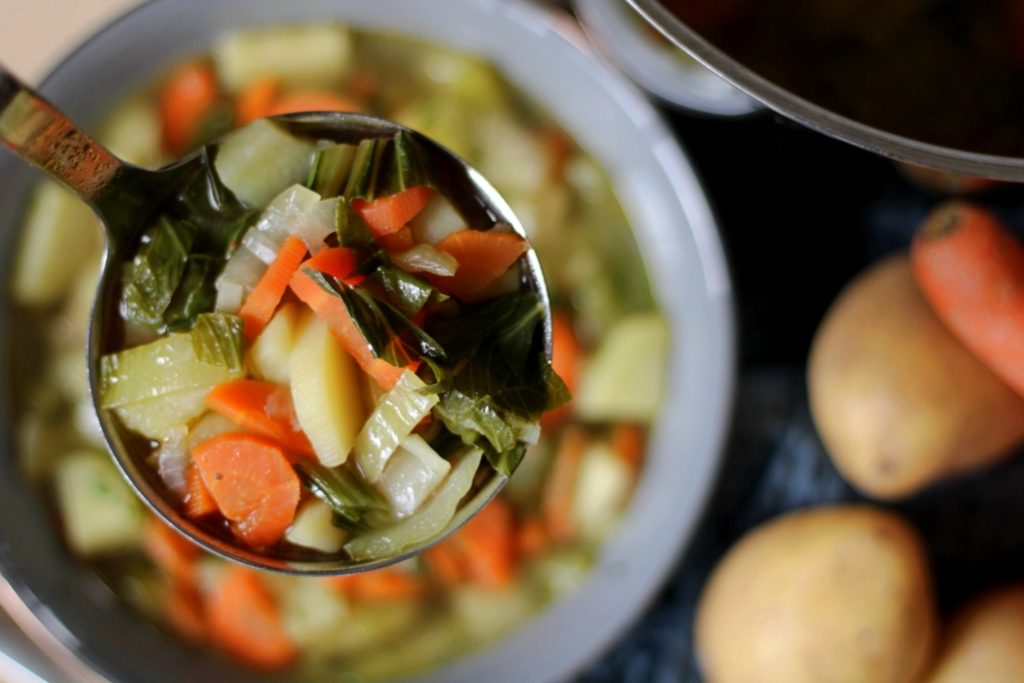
[(403, 290), (403, 166), (152, 276), (360, 180), (218, 339), (195, 294), (331, 169), (353, 231), (356, 505)]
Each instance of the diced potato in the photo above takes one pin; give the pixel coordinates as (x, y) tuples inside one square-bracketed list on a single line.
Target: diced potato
[(314, 528), (318, 55), (412, 474), (133, 132), (261, 160), (602, 488), (270, 355), (624, 380), (60, 230), (99, 511), (437, 220), (311, 610), (327, 390)]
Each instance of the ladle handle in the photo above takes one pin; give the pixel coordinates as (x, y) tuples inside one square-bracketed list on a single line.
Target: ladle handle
[(39, 133)]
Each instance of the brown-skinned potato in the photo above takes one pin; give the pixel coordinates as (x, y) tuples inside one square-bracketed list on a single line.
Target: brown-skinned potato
[(898, 401), (839, 594)]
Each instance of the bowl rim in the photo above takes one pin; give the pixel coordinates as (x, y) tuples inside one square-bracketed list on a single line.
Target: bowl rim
[(691, 202)]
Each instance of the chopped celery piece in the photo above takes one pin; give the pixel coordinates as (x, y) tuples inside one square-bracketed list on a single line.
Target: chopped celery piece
[(355, 505), (560, 571), (156, 418), (314, 528), (319, 223), (625, 378), (314, 55), (133, 132), (327, 388), (361, 178), (396, 415), (270, 354), (424, 258), (331, 169), (429, 521), (487, 613), (217, 338), (602, 488), (412, 474), (262, 159), (59, 230), (99, 511), (161, 368), (367, 625)]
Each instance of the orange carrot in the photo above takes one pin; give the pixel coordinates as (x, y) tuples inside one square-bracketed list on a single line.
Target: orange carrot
[(338, 262), (198, 501), (532, 538), (186, 98), (628, 442), (262, 407), (170, 551), (483, 257), (184, 611), (244, 619), (380, 585), (333, 312), (487, 545), (387, 215), (256, 101), (444, 563), (253, 484), (561, 485), (262, 301), (311, 100), (565, 361), (971, 271), (398, 241)]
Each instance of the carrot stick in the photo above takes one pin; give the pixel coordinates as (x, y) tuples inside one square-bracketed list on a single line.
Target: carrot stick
[(483, 257), (311, 100), (262, 407), (628, 442), (184, 611), (244, 620), (388, 215), (186, 98), (262, 301), (565, 361), (252, 483), (487, 545), (170, 551), (444, 563), (198, 501), (556, 504), (333, 312), (380, 585), (971, 271), (338, 262), (256, 101)]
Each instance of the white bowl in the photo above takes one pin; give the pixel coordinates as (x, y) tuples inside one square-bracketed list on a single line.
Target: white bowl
[(540, 51)]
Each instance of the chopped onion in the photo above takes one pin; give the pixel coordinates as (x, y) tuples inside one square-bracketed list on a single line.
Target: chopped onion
[(172, 460), (424, 258)]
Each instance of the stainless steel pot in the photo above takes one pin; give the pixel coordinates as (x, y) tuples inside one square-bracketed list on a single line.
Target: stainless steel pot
[(821, 119)]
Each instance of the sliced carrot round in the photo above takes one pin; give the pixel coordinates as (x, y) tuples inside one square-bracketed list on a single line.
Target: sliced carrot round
[(262, 407), (483, 257), (252, 483), (244, 619)]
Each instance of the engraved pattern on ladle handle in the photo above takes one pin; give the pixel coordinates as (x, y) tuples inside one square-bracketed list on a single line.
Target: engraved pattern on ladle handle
[(36, 131)]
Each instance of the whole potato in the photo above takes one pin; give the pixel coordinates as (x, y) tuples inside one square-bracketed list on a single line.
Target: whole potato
[(836, 594), (985, 642), (898, 401)]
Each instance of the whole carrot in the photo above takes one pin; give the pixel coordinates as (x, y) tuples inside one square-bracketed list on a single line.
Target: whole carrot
[(971, 270)]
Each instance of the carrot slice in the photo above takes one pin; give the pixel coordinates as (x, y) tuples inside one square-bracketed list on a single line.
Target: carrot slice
[(184, 611), (487, 545), (244, 620), (262, 301), (170, 551), (338, 262), (198, 501), (445, 564), (388, 215), (252, 483), (565, 361), (398, 241), (532, 538), (971, 271), (483, 257), (556, 504), (186, 98), (256, 101), (311, 100), (333, 312), (628, 442), (380, 585), (262, 407)]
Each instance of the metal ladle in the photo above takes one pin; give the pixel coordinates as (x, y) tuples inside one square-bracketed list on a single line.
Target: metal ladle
[(126, 197)]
